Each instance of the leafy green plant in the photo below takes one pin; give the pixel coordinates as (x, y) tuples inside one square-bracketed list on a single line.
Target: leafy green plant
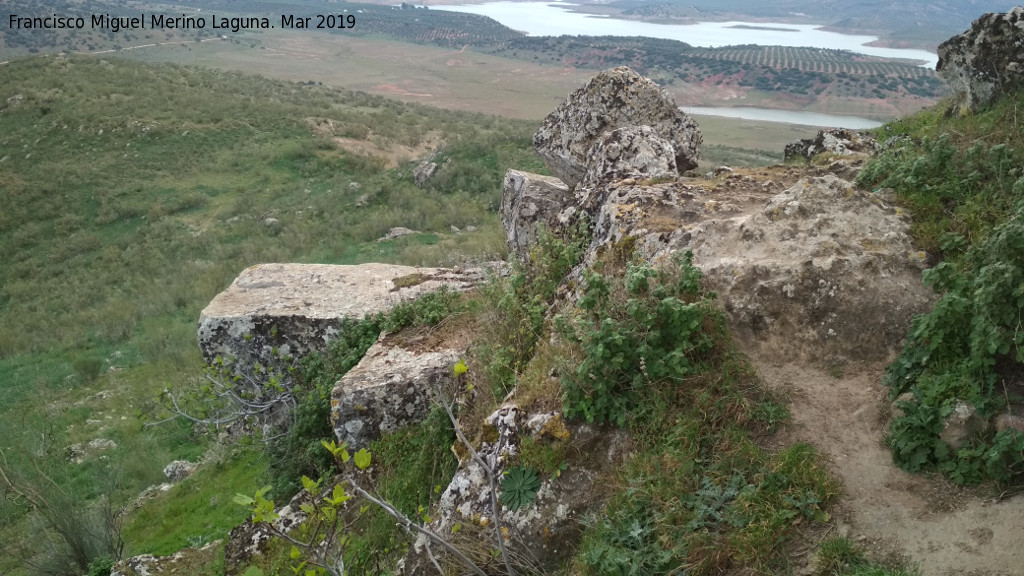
[(962, 182), (516, 306), (519, 487), (101, 566), (646, 327), (627, 544)]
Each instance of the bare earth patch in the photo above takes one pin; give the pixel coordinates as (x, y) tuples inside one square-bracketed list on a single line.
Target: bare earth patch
[(945, 529)]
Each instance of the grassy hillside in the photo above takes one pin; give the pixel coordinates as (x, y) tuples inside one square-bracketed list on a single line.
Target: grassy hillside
[(130, 194)]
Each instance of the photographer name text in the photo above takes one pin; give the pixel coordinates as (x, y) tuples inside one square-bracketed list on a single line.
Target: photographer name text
[(182, 22)]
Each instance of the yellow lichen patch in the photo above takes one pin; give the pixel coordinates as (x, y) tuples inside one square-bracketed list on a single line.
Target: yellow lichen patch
[(408, 280), (873, 244), (555, 428)]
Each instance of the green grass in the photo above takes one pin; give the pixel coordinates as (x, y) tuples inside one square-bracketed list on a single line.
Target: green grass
[(199, 509), (840, 557), (133, 193)]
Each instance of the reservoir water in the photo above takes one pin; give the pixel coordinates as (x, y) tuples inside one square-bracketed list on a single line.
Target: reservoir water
[(786, 117), (557, 18)]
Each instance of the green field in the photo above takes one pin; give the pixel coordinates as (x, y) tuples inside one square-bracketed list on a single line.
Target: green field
[(133, 193)]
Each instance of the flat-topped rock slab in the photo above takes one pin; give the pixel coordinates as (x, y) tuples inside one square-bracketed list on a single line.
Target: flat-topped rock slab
[(391, 387), (275, 312)]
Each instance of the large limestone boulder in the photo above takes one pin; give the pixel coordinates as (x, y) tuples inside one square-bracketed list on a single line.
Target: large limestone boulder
[(630, 152), (273, 312), (987, 60), (615, 98), (391, 387), (805, 267), (529, 202)]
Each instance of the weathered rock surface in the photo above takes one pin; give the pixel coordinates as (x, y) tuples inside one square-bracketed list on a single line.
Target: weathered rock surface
[(1008, 421), (960, 426), (834, 141), (392, 386), (530, 201), (179, 470), (987, 60), (187, 562), (422, 173), (615, 98), (817, 270), (276, 311), (78, 453), (397, 232), (541, 532), (630, 152)]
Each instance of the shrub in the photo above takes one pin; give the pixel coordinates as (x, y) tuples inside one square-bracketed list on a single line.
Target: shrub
[(961, 179), (515, 307), (646, 327)]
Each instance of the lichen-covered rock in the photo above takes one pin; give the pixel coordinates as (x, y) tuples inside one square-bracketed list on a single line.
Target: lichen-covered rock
[(529, 202), (835, 141), (632, 152), (615, 98), (422, 173), (987, 60), (187, 562), (392, 386), (960, 426), (549, 527), (273, 312), (179, 470), (817, 271)]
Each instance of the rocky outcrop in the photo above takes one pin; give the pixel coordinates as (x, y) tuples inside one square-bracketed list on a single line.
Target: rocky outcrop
[(178, 470), (835, 142), (615, 98), (275, 312), (187, 562), (392, 386), (987, 60), (630, 152), (541, 532), (817, 270), (961, 425), (530, 201)]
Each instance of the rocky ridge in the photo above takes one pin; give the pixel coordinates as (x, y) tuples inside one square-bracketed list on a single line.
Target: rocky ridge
[(807, 267)]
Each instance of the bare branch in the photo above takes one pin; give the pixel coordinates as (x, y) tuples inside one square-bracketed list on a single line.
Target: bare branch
[(493, 481)]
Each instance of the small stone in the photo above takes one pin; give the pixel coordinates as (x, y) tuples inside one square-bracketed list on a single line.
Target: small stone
[(179, 470), (1009, 422), (962, 425)]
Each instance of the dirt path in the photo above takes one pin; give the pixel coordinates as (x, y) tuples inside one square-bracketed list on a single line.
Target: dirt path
[(944, 529)]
